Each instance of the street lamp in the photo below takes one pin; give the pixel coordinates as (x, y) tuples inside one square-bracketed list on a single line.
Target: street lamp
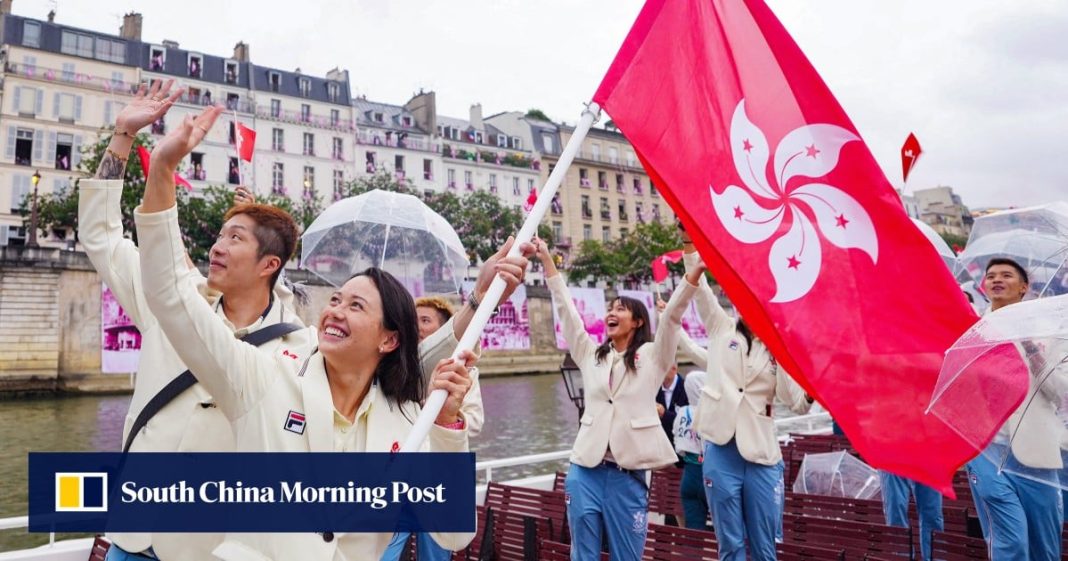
[(573, 383), (32, 241)]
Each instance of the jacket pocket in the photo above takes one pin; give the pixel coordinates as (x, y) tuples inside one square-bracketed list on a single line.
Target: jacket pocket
[(644, 422), (586, 419), (710, 391)]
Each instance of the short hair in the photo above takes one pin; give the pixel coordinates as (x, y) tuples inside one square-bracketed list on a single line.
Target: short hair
[(276, 232), (440, 305), (1011, 263)]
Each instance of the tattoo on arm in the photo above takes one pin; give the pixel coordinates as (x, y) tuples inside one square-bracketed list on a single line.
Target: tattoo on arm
[(111, 167)]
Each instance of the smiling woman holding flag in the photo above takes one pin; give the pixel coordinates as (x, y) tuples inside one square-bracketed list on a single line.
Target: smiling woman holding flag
[(620, 436)]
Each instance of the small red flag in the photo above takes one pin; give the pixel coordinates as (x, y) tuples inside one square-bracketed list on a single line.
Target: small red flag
[(532, 198), (246, 143), (145, 157), (659, 264), (910, 152)]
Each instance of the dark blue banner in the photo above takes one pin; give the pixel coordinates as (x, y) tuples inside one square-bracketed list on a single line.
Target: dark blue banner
[(251, 492)]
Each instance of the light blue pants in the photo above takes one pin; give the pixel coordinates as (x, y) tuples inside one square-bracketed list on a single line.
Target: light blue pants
[(606, 499), (896, 491), (427, 549), (745, 502), (1021, 518), (692, 493), (116, 553)]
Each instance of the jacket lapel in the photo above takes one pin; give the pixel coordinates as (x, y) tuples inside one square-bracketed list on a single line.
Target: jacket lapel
[(318, 406)]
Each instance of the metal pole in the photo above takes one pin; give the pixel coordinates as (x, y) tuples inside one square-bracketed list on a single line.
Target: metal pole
[(32, 240), (471, 336)]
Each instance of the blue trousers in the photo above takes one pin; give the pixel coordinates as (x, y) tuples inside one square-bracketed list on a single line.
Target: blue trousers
[(1021, 518), (744, 502), (116, 553), (692, 493), (896, 492), (605, 499), (426, 548)]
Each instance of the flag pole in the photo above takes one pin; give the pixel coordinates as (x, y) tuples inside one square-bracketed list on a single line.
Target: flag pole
[(237, 146), (473, 334)]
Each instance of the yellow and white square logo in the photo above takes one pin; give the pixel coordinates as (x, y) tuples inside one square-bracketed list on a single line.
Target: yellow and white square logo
[(82, 492)]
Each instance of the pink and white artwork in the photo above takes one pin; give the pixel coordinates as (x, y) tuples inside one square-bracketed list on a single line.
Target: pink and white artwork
[(647, 298), (694, 327), (509, 329), (120, 343), (591, 307)]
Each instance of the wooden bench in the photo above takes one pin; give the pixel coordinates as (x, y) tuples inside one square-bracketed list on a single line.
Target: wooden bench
[(483, 540), (101, 545), (558, 481), (533, 502), (805, 552), (516, 537), (664, 497), (835, 508), (954, 547), (672, 543), (556, 551), (858, 539)]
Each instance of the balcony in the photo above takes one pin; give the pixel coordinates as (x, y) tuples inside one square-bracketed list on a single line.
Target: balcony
[(372, 139), (41, 73), (298, 118), (510, 159), (606, 215), (587, 213), (452, 185)]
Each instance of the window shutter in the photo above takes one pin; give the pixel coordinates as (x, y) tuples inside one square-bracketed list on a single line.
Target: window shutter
[(39, 108), (51, 152), (55, 105), (78, 108), (10, 153), (76, 153), (18, 94), (38, 145)]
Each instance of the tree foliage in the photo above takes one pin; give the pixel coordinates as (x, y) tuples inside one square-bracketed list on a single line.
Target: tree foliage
[(535, 113), (626, 259)]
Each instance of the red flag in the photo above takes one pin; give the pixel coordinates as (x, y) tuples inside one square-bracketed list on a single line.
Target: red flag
[(144, 156), (532, 198), (910, 152), (246, 143), (796, 221), (659, 264)]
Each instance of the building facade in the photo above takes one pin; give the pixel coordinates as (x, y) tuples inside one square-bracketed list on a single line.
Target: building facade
[(390, 139), (944, 211)]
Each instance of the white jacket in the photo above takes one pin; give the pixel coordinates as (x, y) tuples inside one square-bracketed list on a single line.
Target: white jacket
[(192, 422), (622, 418), (736, 399), (257, 390)]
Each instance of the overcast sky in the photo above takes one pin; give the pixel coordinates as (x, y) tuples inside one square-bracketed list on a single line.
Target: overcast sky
[(982, 83)]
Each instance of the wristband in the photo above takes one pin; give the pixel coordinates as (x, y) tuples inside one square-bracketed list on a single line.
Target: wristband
[(458, 425)]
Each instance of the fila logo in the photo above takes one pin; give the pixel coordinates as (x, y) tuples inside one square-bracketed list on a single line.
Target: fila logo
[(81, 492), (289, 354), (734, 345), (295, 422)]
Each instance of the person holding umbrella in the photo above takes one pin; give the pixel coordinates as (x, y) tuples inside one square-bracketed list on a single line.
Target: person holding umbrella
[(360, 389), (1021, 517), (619, 436)]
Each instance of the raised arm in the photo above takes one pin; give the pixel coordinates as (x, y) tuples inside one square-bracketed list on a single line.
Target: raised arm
[(666, 340), (571, 324), (100, 232), (791, 393), (715, 317)]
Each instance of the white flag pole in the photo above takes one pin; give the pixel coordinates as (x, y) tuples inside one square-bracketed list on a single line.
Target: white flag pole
[(473, 334)]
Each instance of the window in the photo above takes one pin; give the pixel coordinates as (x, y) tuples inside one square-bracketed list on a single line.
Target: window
[(304, 85), (639, 212), (378, 117), (516, 143), (28, 101), (79, 44), (613, 154), (398, 163), (67, 107), (502, 141), (110, 51), (406, 121), (428, 169), (234, 176), (452, 178), (606, 211), (335, 117), (117, 82), (31, 34), (637, 186), (584, 177), (192, 95), (547, 141), (602, 180), (606, 234), (274, 79), (338, 151), (630, 158), (371, 163), (619, 183), (197, 170), (230, 72), (595, 151), (232, 101), (309, 144), (195, 66), (586, 212), (277, 177), (156, 58), (558, 231), (278, 140), (232, 135), (309, 177), (339, 183), (656, 212), (623, 210), (23, 147), (332, 91), (652, 189), (587, 232), (20, 189), (305, 113), (64, 150), (468, 181), (493, 183), (530, 185), (623, 232), (276, 108), (515, 186)]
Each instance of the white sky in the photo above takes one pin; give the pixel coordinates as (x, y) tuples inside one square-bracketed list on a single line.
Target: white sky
[(982, 83)]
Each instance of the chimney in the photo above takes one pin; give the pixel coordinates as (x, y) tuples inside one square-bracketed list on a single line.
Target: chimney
[(131, 26), (425, 109), (51, 16), (338, 75), (476, 116), (241, 52), (5, 6), (170, 44)]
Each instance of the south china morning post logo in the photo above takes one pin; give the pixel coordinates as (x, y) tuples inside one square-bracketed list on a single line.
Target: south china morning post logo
[(81, 492)]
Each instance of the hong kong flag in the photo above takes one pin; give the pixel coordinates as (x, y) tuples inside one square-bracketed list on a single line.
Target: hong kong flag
[(795, 219), (660, 263)]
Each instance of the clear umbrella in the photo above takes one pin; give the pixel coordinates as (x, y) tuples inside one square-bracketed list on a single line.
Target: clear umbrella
[(940, 245), (1035, 237), (1016, 358), (392, 231), (837, 474)]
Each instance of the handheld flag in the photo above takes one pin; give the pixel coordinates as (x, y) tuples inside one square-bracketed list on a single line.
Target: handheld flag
[(246, 142), (145, 157), (910, 152), (659, 264)]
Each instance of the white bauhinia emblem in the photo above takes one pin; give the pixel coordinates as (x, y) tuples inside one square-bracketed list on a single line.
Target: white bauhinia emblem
[(753, 214)]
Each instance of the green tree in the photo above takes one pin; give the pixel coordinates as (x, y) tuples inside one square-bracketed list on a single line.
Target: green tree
[(954, 241), (383, 179), (637, 250), (534, 113), (594, 260), (486, 223)]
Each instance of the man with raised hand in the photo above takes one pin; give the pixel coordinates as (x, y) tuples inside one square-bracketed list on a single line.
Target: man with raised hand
[(169, 412)]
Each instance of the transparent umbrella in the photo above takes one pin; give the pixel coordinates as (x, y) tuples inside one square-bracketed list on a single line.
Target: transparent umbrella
[(392, 231), (1036, 237), (940, 245), (1016, 358), (837, 474)]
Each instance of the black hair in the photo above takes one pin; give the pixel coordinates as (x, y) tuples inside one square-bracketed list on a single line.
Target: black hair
[(744, 330), (1011, 263), (399, 373), (642, 335)]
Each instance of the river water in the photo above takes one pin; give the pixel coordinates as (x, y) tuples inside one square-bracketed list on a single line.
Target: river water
[(524, 415)]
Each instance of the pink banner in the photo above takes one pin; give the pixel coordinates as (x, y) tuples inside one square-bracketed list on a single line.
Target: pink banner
[(509, 329), (120, 343), (591, 307)]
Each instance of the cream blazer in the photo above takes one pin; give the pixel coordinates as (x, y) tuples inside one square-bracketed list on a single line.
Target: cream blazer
[(736, 400), (622, 418), (257, 390), (192, 422)]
